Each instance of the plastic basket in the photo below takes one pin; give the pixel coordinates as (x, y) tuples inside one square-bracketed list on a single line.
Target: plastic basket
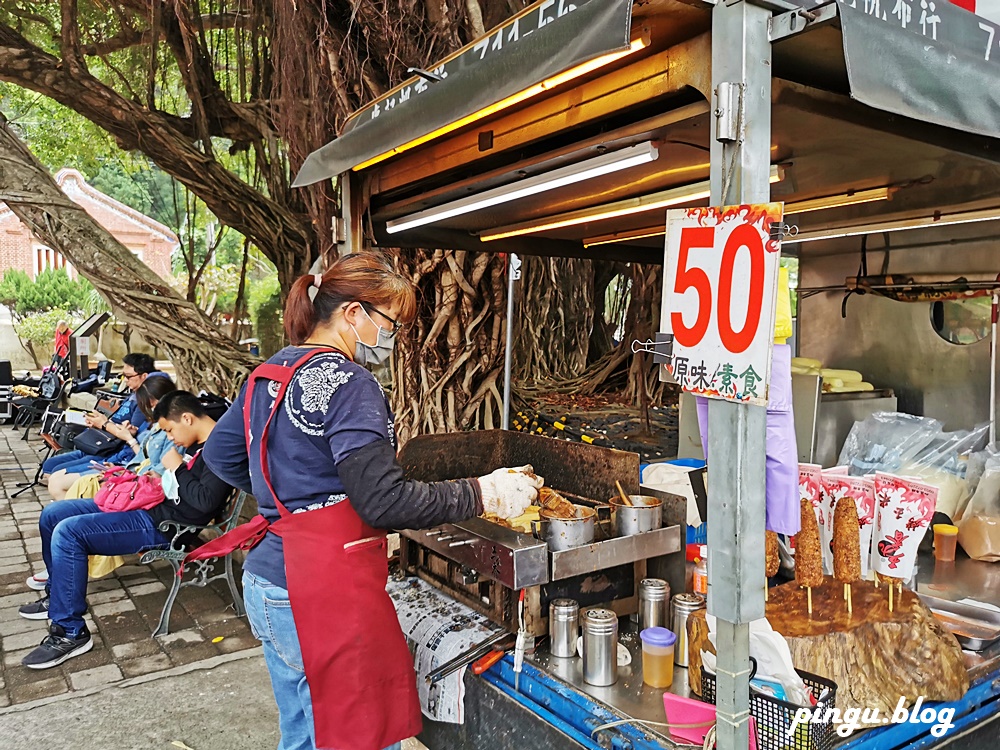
[(775, 717), (697, 534)]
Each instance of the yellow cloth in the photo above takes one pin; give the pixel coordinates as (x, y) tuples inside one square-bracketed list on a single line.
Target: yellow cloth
[(85, 487), (783, 318), (99, 566)]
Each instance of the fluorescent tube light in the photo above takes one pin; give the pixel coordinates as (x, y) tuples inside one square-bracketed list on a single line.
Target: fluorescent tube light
[(899, 225), (797, 207), (653, 201), (521, 96), (837, 201), (615, 161)]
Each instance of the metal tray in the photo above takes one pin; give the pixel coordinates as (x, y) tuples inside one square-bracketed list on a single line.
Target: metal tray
[(975, 628), (614, 551)]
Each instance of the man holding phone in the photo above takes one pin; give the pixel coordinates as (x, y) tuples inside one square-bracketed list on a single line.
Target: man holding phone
[(136, 368)]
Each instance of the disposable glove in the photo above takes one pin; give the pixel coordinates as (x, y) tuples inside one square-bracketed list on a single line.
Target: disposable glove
[(508, 492)]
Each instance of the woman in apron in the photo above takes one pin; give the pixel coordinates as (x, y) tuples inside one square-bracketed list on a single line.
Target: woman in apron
[(311, 436)]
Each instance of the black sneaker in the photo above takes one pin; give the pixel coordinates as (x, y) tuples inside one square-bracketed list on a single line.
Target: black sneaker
[(36, 610), (57, 648)]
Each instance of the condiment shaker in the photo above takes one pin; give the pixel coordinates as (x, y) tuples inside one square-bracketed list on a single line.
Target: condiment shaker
[(654, 593), (681, 606), (564, 626), (600, 647)]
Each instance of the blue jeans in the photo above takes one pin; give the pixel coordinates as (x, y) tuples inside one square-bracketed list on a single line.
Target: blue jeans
[(72, 530), (270, 614), (62, 460)]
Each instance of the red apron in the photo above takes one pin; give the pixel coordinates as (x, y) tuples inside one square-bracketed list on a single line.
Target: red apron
[(357, 663)]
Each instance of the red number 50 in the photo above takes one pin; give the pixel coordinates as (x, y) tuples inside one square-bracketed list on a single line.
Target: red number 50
[(743, 236)]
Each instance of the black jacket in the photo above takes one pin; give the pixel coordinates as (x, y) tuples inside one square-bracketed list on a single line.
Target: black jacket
[(201, 496)]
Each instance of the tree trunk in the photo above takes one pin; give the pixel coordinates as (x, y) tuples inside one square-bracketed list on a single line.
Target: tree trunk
[(202, 355), (448, 369), (556, 314)]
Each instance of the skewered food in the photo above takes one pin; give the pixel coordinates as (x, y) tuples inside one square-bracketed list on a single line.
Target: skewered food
[(846, 542), (772, 559), (555, 504), (808, 555)]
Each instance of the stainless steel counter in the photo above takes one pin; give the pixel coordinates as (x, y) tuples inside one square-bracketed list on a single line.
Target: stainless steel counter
[(629, 696), (964, 579)]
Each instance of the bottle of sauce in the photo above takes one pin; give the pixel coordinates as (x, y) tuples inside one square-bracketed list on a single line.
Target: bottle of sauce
[(699, 583)]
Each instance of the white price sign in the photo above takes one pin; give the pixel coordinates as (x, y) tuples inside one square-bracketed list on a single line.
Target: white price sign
[(720, 280)]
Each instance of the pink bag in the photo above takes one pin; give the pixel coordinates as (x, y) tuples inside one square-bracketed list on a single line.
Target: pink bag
[(124, 490)]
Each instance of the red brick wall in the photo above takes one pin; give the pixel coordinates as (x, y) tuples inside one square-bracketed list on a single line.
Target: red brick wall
[(151, 242)]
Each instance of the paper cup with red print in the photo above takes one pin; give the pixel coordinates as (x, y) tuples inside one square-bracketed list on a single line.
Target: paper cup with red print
[(903, 511), (860, 491), (824, 516)]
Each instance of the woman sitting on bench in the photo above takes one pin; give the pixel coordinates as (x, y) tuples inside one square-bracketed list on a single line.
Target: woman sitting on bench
[(149, 445), (72, 530)]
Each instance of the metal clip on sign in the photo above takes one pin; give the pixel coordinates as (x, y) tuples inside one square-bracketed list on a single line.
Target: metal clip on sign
[(780, 230), (661, 348)]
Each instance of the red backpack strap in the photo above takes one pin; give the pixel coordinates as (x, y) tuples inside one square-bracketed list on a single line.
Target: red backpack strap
[(282, 375)]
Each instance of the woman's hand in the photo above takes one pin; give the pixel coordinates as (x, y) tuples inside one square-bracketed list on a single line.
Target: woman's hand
[(172, 460)]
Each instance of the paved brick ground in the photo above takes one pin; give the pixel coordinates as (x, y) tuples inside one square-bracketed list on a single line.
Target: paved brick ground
[(124, 607)]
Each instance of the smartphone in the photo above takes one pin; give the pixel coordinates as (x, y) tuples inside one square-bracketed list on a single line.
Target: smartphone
[(97, 465)]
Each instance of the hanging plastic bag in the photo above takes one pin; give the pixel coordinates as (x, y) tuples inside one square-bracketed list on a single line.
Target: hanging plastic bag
[(979, 526)]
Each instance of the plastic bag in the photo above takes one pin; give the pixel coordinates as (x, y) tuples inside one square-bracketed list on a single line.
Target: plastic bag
[(979, 526), (783, 315), (918, 447)]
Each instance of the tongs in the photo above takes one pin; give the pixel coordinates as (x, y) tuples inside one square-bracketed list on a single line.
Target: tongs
[(466, 658)]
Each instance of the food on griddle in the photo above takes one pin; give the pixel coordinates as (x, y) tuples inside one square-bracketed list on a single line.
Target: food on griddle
[(555, 505), (772, 559), (498, 520), (846, 542), (808, 553)]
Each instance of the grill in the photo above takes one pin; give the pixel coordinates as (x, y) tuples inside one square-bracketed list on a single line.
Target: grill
[(485, 565)]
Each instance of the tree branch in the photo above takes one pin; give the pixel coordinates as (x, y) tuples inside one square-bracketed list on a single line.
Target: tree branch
[(284, 236), (203, 354)]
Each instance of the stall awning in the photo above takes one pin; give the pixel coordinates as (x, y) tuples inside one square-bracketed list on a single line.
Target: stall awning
[(541, 43), (930, 61)]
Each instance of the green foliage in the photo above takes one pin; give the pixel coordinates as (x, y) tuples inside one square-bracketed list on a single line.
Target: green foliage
[(51, 289), (792, 264), (39, 327), (264, 304)]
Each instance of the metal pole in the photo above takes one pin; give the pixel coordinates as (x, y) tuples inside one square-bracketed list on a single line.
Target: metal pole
[(513, 274), (741, 60), (993, 367)]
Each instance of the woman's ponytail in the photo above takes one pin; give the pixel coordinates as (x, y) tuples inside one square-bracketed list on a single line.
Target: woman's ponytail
[(300, 312)]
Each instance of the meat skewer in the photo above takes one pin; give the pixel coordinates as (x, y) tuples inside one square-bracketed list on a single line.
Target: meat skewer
[(808, 552), (846, 547), (772, 561)]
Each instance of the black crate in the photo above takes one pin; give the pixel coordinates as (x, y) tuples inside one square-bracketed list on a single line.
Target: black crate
[(775, 717)]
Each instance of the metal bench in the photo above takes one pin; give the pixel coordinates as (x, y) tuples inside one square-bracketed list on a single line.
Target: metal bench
[(201, 572)]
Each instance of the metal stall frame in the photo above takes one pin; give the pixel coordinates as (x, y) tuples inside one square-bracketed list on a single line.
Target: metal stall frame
[(742, 95)]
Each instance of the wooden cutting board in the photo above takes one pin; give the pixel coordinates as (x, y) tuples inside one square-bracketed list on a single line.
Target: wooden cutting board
[(874, 655)]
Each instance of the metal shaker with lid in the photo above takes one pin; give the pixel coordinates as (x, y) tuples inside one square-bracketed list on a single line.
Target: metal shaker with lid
[(564, 625), (600, 647), (654, 593), (681, 607)]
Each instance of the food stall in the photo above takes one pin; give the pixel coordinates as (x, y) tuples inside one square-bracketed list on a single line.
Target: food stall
[(568, 131)]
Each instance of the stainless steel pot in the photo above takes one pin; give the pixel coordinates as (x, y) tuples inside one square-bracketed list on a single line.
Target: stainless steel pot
[(645, 514), (566, 533)]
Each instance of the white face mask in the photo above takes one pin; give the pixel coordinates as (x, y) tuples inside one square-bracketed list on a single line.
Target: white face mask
[(373, 354)]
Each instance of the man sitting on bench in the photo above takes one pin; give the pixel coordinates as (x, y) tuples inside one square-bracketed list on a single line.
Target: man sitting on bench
[(71, 530), (137, 367)]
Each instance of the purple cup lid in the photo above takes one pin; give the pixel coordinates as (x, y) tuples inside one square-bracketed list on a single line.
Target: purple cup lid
[(660, 637)]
